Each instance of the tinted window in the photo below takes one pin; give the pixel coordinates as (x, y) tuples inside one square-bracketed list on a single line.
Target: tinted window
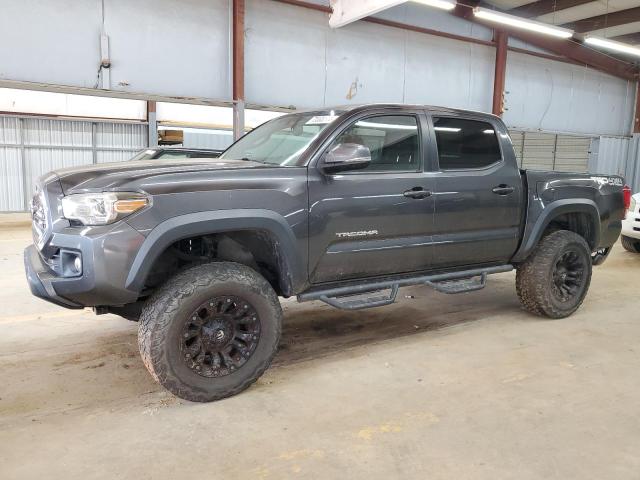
[(465, 144), (392, 140)]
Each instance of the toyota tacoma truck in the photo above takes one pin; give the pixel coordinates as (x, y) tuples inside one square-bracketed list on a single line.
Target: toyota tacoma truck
[(342, 205)]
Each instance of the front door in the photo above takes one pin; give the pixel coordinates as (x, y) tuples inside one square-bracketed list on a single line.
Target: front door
[(478, 193), (378, 220)]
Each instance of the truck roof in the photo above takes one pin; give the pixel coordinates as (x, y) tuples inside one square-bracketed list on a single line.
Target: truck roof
[(339, 109)]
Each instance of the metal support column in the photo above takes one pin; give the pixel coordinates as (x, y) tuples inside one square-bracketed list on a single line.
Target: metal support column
[(636, 117), (238, 9), (501, 39), (238, 119), (152, 124)]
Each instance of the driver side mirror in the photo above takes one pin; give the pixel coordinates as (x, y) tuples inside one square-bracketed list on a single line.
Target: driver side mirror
[(346, 156)]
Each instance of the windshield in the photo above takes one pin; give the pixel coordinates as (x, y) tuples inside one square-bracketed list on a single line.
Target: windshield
[(282, 140)]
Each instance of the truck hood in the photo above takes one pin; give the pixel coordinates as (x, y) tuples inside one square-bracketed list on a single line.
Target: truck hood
[(111, 176)]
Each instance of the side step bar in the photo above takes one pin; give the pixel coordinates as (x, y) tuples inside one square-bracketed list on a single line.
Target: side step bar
[(367, 295), (459, 286)]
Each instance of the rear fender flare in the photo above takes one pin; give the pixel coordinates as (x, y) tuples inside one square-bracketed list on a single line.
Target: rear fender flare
[(533, 234)]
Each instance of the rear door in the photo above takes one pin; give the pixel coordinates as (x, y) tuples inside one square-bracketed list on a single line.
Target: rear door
[(478, 192), (378, 220)]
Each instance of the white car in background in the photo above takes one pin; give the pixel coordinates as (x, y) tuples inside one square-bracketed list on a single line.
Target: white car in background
[(631, 226)]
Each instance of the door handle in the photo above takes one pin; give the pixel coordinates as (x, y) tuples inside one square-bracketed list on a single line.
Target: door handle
[(417, 192), (503, 189)]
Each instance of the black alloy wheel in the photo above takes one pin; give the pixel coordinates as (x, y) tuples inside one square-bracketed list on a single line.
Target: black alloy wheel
[(220, 336), (568, 275), (554, 279)]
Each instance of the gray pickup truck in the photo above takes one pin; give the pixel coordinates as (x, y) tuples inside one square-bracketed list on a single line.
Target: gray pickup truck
[(340, 205)]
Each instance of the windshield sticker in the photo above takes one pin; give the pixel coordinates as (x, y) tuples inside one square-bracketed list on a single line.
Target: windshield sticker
[(321, 119)]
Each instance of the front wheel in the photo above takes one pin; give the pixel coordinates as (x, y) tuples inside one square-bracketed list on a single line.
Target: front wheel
[(210, 331), (555, 278)]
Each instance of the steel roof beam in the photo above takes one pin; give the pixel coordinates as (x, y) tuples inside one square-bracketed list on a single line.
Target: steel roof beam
[(613, 19), (542, 7), (630, 38)]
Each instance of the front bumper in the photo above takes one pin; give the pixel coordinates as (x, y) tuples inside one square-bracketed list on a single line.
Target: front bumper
[(41, 280), (107, 254)]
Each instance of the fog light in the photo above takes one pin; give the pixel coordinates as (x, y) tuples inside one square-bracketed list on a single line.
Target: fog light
[(77, 264)]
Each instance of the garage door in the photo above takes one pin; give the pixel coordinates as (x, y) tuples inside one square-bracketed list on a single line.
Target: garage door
[(549, 151), (537, 153), (517, 138), (572, 153)]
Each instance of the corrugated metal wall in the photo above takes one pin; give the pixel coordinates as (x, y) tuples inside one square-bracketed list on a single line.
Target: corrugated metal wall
[(617, 156), (610, 156), (116, 142), (11, 172), (202, 139), (294, 58), (632, 171), (31, 147)]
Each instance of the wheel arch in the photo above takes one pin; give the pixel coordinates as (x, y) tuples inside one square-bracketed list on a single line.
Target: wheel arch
[(578, 215), (290, 271)]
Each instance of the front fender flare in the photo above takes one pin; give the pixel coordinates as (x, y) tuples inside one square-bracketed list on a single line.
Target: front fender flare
[(533, 231), (291, 276)]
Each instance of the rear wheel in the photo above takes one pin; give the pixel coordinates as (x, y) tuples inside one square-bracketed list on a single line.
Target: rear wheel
[(630, 244), (211, 331), (555, 278)]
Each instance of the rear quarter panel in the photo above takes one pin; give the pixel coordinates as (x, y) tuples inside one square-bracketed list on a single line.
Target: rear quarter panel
[(555, 193)]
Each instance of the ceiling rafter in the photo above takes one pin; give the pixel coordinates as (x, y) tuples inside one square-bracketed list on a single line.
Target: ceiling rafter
[(631, 38), (542, 7), (613, 19)]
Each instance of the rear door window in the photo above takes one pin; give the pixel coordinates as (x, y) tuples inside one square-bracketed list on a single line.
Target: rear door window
[(465, 144)]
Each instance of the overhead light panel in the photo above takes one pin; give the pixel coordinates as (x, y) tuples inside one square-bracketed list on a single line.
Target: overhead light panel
[(613, 45), (344, 12), (518, 22)]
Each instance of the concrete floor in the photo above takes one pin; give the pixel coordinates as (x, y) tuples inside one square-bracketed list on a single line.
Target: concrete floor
[(436, 386)]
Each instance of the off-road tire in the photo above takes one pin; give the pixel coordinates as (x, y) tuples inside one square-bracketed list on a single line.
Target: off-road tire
[(630, 244), (169, 308), (534, 277)]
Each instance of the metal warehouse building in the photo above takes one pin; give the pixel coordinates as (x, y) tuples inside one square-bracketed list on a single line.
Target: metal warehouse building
[(319, 239), (158, 56)]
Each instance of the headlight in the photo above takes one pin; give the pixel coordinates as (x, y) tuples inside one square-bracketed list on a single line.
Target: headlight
[(102, 208), (632, 206)]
